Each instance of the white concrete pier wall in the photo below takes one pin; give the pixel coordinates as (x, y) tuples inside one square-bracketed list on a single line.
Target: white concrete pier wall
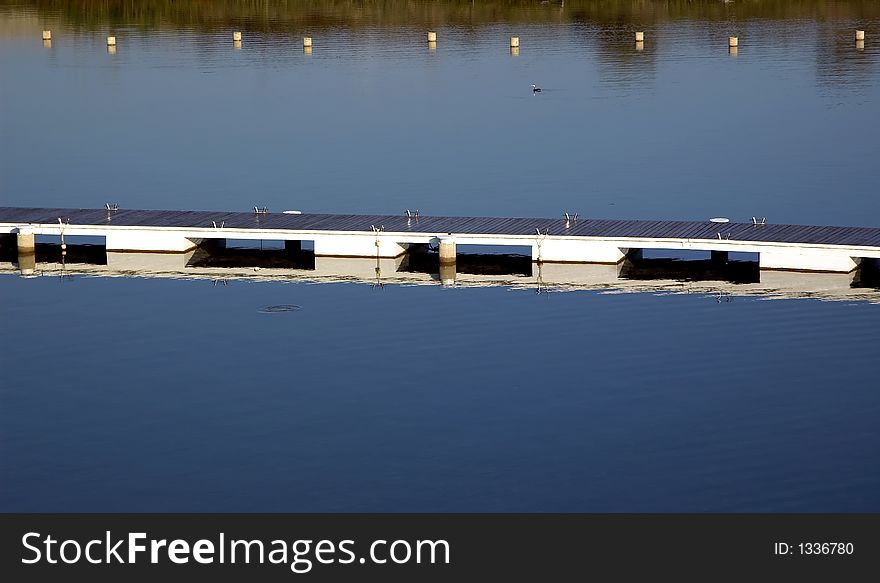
[(153, 241), (358, 246), (592, 274), (807, 259), (574, 251), (149, 262), (550, 248)]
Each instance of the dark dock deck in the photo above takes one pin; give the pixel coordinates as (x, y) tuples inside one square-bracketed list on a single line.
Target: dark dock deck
[(582, 227)]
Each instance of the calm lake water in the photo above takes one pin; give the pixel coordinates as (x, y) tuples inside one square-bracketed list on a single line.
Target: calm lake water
[(140, 394)]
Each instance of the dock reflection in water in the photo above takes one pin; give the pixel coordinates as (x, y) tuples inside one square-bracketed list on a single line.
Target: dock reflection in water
[(636, 274)]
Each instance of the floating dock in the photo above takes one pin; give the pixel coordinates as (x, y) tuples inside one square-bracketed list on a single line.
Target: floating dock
[(569, 239)]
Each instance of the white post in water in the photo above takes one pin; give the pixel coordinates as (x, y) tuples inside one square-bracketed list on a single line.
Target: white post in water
[(447, 260), (307, 42), (432, 36), (732, 41), (860, 35), (47, 35), (27, 261), (111, 41), (236, 36), (447, 274), (447, 250), (640, 37), (514, 42)]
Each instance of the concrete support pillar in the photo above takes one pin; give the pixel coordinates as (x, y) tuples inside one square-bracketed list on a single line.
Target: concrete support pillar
[(447, 274), (860, 35), (27, 259), (432, 36), (640, 37), (26, 240), (293, 246), (719, 256), (356, 245), (447, 250), (149, 241), (806, 259)]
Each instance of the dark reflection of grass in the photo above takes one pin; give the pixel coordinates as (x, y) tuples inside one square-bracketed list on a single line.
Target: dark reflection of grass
[(868, 275), (691, 270), (8, 248), (245, 257), (82, 254), (471, 263), (284, 16)]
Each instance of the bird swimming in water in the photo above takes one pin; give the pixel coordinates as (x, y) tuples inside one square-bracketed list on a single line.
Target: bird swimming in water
[(536, 89)]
